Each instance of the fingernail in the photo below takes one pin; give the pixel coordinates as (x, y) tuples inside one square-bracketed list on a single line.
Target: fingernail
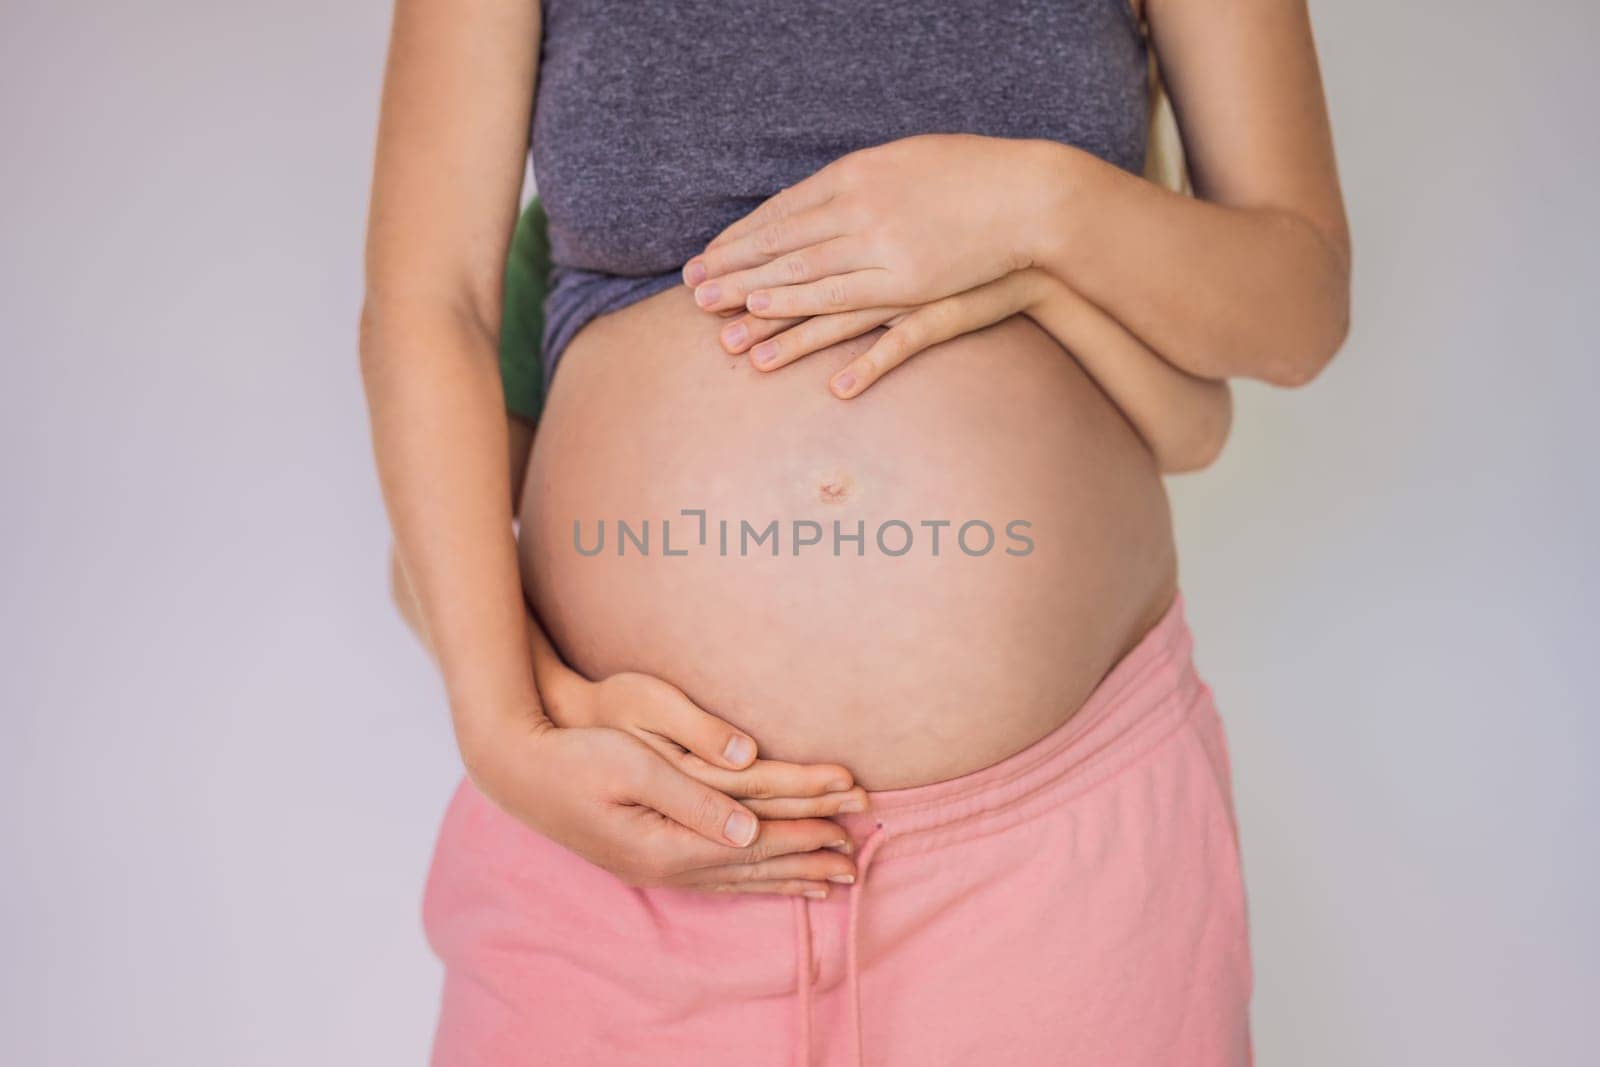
[(708, 294), (740, 828), (736, 334), (695, 272), (739, 750), (817, 894), (759, 301), (844, 382), (842, 879), (853, 804), (765, 352), (842, 846), (838, 785)]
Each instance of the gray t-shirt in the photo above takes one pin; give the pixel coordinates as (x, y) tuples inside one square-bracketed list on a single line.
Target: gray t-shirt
[(659, 122)]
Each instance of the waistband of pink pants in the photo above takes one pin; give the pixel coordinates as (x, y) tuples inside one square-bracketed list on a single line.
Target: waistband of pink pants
[(1147, 695), (1142, 699)]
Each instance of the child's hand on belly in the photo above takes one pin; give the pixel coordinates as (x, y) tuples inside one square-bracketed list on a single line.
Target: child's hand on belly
[(774, 343), (663, 771)]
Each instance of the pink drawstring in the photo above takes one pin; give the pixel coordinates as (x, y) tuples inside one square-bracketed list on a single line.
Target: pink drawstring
[(852, 956), (802, 955), (802, 974)]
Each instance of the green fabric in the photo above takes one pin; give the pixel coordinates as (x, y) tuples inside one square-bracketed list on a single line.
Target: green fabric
[(522, 320)]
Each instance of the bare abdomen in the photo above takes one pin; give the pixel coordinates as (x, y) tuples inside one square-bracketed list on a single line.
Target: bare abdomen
[(907, 661)]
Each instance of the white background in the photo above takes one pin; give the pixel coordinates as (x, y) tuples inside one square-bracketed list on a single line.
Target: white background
[(222, 760)]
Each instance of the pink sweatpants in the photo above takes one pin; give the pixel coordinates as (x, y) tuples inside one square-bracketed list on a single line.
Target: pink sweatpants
[(1078, 903)]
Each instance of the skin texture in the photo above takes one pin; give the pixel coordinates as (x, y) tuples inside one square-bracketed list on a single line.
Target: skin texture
[(906, 668), (1255, 283)]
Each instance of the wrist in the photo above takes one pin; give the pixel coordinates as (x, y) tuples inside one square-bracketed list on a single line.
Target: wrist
[(564, 694), (1038, 287), (486, 730), (1048, 230), (493, 757), (501, 765)]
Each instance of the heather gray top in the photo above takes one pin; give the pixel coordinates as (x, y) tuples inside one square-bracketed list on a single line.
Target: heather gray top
[(659, 122)]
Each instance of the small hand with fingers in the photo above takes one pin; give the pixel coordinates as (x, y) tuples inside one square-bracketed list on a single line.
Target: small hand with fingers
[(763, 824), (775, 343)]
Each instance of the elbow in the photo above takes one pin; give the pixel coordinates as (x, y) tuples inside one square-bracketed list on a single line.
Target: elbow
[(399, 586), (1324, 327), (1301, 364), (369, 343), (395, 330), (1290, 352), (404, 597)]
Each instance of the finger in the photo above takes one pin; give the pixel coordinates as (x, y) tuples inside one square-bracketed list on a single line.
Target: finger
[(747, 330), (791, 888), (669, 713), (780, 838), (816, 189), (927, 326), (848, 802), (811, 867), (840, 255), (715, 816), (765, 244), (815, 334), (770, 779), (825, 296)]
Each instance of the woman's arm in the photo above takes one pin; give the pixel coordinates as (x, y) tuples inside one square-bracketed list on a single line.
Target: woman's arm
[(1183, 419), (1250, 278), (451, 142), (697, 742), (448, 172), (519, 443)]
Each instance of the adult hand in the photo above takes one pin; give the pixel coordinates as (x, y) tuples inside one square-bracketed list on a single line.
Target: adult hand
[(612, 799), (896, 225)]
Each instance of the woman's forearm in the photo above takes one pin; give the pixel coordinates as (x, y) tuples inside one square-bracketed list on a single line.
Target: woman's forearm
[(1184, 419), (1249, 278), (546, 661), (519, 442), (1219, 291), (440, 438), (448, 166)]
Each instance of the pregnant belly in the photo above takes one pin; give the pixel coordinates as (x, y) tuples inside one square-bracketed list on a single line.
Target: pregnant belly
[(916, 583)]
